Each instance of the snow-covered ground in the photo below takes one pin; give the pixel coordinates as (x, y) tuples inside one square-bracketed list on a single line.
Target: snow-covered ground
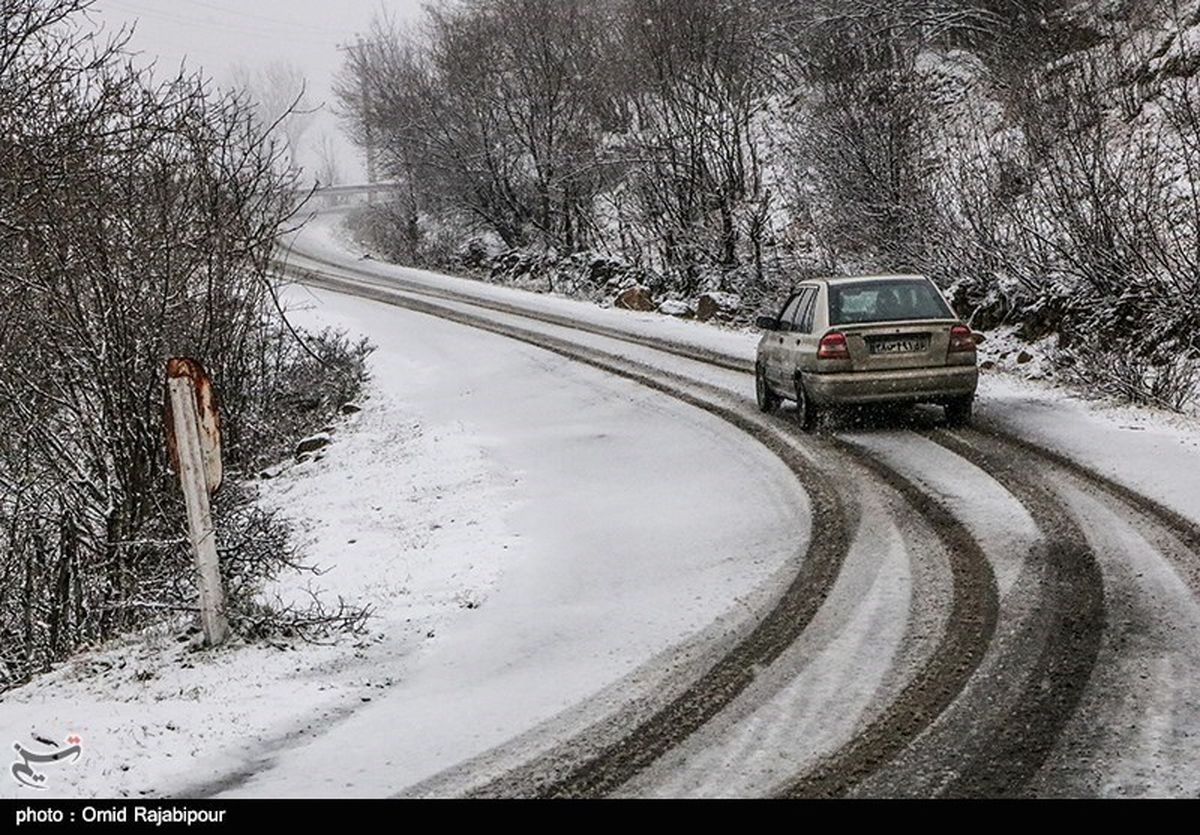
[(528, 531), (532, 532), (1156, 453)]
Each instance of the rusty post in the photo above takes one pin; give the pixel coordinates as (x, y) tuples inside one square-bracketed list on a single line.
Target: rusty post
[(196, 472)]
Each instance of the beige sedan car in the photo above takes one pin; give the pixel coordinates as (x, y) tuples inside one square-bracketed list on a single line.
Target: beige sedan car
[(868, 339)]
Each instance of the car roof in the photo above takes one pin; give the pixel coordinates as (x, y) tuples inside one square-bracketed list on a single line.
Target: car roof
[(855, 279), (844, 279)]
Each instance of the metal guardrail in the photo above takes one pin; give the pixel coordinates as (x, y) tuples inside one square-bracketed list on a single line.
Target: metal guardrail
[(357, 188)]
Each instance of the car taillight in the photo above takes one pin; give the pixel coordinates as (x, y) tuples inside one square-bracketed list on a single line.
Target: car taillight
[(961, 339), (833, 347)]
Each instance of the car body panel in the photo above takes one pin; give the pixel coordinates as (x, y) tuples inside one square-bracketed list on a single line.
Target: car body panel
[(865, 342), (774, 346), (911, 385)]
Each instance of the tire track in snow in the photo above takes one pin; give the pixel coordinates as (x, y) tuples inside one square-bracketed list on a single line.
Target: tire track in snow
[(1185, 528), (968, 632), (1017, 773), (692, 352), (885, 617), (1140, 694), (1069, 626), (1187, 531), (832, 530), (558, 774)]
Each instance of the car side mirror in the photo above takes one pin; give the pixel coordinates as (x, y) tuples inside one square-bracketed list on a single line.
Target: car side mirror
[(767, 323)]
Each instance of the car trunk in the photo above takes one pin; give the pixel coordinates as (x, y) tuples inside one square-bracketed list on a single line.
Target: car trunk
[(887, 346)]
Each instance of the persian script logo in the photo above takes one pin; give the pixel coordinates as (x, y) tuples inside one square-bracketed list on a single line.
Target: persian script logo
[(24, 772)]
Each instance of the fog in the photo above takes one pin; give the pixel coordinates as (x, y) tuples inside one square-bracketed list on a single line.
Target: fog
[(220, 35)]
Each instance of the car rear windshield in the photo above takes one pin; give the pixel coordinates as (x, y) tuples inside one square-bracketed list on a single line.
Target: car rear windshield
[(885, 301)]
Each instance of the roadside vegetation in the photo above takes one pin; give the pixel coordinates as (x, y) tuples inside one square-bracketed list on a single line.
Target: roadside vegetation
[(137, 221), (1037, 158)]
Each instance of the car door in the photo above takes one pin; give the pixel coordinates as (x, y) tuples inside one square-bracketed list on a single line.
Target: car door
[(798, 341), (776, 345)]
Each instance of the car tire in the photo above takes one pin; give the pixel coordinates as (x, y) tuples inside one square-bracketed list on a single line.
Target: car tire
[(768, 401), (808, 415), (958, 411)]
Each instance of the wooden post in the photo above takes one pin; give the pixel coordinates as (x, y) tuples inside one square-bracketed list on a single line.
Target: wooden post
[(195, 486)]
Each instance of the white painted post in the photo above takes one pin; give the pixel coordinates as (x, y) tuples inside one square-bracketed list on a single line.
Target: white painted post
[(195, 493)]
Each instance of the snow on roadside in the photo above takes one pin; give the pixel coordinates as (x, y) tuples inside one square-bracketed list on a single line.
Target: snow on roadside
[(529, 531), (325, 237), (149, 707), (1004, 350), (1019, 393), (1152, 451)]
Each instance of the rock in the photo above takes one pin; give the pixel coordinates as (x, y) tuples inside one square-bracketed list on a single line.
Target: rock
[(716, 304), (271, 472), (312, 443), (1024, 357), (987, 365), (674, 307), (635, 298), (474, 254), (603, 271), (1044, 317), (350, 409), (983, 308)]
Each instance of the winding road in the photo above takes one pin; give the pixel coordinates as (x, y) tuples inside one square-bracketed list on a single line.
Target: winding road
[(974, 613)]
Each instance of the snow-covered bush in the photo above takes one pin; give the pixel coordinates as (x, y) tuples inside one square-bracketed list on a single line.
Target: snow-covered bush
[(137, 222)]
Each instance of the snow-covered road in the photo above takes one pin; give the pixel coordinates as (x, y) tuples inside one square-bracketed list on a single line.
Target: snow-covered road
[(619, 541), (981, 611), (530, 532), (599, 570)]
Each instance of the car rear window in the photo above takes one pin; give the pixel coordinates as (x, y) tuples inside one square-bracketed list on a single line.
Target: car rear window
[(885, 301)]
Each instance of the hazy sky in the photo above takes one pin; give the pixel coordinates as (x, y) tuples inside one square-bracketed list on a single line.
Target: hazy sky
[(217, 34)]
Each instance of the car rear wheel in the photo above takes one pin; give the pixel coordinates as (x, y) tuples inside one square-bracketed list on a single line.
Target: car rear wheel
[(768, 401), (807, 413), (958, 411)]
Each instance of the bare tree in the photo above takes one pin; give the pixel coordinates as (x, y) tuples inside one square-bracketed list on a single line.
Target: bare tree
[(1037, 157), (696, 74), (137, 222), (495, 113), (279, 92), (329, 169)]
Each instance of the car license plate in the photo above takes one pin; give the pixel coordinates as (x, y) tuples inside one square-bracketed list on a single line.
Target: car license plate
[(899, 345)]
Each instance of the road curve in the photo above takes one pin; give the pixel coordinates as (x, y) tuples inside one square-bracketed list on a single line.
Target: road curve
[(993, 686)]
